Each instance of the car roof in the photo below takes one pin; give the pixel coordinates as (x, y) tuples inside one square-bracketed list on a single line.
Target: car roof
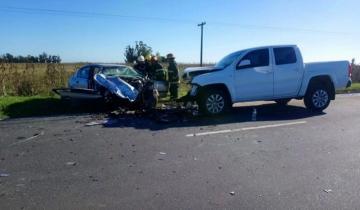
[(107, 65)]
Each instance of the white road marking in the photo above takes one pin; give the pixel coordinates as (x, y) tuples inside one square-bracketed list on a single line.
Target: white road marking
[(343, 95), (245, 129)]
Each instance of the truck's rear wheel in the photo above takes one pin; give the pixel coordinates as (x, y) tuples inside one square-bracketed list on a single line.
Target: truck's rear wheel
[(317, 98), (214, 102)]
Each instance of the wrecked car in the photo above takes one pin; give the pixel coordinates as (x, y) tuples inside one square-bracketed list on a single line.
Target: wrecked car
[(114, 84)]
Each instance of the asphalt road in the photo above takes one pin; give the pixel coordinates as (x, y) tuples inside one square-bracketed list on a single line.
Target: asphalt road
[(287, 159)]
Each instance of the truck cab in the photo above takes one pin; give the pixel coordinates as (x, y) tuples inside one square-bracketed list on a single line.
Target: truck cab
[(266, 73)]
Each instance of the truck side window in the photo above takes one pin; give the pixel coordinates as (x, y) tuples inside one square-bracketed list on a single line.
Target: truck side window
[(257, 58), (284, 55), (84, 73)]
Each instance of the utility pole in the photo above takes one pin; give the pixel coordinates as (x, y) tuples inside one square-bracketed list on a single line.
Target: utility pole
[(201, 44)]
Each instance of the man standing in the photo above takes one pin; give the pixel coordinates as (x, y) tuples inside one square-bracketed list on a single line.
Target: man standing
[(155, 65), (173, 75)]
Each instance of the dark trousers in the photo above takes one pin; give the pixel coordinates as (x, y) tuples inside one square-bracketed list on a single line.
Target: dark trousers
[(174, 87)]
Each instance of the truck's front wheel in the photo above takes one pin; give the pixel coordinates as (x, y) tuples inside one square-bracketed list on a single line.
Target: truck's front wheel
[(214, 102), (317, 98)]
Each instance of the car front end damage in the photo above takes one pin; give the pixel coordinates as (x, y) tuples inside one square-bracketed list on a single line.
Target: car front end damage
[(134, 93)]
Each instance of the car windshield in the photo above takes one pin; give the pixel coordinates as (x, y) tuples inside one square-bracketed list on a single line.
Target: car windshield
[(120, 71), (227, 60)]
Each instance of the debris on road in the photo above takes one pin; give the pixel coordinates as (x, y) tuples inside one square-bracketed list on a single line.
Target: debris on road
[(28, 139), (71, 163), (232, 193), (254, 113), (169, 113), (327, 190), (162, 153), (4, 175), (93, 123)]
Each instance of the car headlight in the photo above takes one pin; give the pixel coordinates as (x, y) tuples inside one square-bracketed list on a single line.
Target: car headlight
[(194, 89)]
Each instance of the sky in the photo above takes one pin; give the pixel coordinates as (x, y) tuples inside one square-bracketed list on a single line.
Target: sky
[(99, 31)]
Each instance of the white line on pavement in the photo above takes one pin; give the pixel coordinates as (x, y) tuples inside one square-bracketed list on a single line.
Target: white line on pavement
[(347, 95), (245, 129)]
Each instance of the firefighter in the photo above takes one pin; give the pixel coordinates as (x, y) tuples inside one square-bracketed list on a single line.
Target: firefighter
[(173, 76), (154, 66), (141, 66), (148, 65)]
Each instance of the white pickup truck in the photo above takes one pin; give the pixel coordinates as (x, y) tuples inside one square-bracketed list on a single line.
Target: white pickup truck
[(266, 73)]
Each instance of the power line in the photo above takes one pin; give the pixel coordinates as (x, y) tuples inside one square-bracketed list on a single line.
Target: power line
[(86, 14), (43, 11), (278, 28)]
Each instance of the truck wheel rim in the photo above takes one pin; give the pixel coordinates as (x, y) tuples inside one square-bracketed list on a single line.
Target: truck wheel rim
[(320, 98), (215, 103)]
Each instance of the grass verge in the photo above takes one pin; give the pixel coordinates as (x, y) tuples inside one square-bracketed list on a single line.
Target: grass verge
[(29, 106), (355, 88)]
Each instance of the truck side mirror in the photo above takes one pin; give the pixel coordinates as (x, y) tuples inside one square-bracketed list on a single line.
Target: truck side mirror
[(244, 63)]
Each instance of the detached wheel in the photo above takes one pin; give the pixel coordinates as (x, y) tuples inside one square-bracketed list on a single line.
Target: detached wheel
[(108, 100), (107, 97), (317, 98), (214, 102), (282, 102)]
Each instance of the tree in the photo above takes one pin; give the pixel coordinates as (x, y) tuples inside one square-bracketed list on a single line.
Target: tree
[(43, 57), (132, 52), (9, 58)]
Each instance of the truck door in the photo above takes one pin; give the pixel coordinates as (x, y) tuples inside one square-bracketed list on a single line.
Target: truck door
[(288, 72), (254, 76)]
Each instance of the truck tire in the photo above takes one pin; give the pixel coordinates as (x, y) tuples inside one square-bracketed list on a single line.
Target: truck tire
[(317, 97), (283, 102), (214, 102)]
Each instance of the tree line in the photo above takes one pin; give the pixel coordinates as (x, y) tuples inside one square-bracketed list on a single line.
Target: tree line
[(42, 58), (140, 48)]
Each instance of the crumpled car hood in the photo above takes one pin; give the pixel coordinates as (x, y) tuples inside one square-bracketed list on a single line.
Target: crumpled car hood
[(117, 86), (191, 72)]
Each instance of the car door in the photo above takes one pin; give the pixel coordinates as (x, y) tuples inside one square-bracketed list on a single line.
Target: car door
[(254, 76), (82, 78), (288, 72)]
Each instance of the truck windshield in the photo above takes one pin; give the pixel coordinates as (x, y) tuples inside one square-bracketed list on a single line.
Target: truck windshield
[(122, 71), (229, 59)]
